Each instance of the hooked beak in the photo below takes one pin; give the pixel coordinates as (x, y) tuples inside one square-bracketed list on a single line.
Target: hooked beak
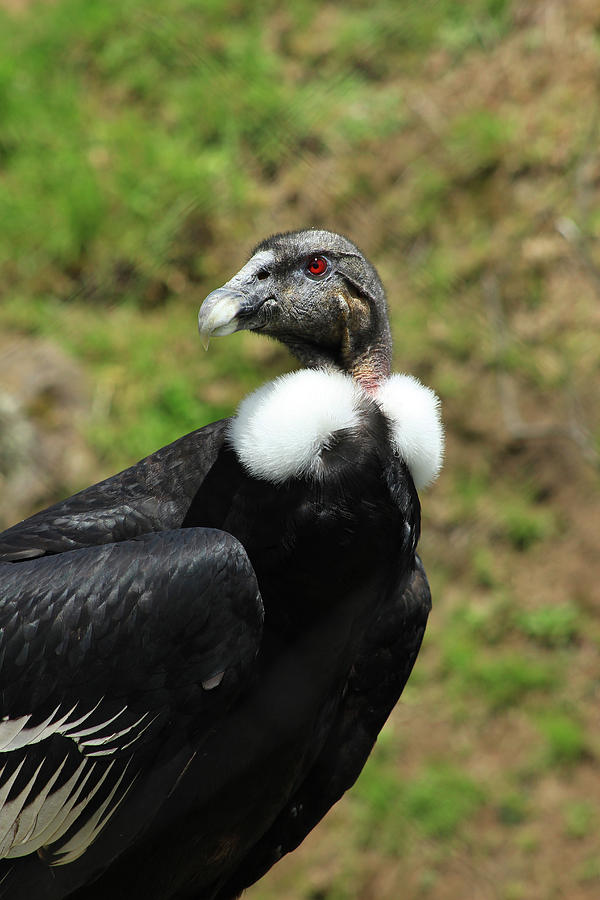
[(233, 307), (220, 312)]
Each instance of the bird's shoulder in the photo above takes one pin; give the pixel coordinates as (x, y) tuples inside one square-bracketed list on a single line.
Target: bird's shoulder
[(150, 496)]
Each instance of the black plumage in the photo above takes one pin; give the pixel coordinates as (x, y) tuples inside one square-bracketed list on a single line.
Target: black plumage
[(196, 661)]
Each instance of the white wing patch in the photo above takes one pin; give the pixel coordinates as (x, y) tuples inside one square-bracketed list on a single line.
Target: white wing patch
[(10, 819), (27, 821), (92, 826), (10, 728), (39, 815), (55, 815), (14, 733)]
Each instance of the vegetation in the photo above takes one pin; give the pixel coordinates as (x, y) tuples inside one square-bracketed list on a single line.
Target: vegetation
[(144, 147)]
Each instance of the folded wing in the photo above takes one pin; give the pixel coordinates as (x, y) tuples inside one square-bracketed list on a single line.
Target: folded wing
[(102, 651)]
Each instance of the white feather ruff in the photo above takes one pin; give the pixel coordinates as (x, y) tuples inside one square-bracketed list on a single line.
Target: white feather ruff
[(282, 428), (414, 411)]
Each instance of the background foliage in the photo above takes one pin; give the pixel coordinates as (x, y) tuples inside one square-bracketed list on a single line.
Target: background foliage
[(144, 148)]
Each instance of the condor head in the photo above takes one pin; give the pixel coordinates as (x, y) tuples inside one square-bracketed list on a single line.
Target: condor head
[(315, 292)]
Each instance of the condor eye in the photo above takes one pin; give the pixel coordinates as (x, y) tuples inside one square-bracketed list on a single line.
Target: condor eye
[(317, 267)]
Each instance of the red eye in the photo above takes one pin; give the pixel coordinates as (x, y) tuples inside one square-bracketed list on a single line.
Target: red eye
[(317, 266)]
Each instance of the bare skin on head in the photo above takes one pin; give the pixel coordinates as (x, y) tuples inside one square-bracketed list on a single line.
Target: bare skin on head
[(316, 293)]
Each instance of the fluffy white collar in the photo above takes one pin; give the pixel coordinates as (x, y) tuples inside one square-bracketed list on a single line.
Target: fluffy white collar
[(281, 428)]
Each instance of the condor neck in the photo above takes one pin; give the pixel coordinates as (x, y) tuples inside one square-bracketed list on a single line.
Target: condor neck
[(369, 365), (367, 352), (371, 370)]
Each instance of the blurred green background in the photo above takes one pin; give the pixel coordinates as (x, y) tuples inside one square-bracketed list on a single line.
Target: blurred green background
[(145, 147)]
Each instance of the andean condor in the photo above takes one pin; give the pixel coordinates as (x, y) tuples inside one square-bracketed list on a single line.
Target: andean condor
[(197, 654)]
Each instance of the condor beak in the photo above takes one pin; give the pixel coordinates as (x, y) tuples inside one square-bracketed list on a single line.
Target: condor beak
[(220, 312), (233, 307)]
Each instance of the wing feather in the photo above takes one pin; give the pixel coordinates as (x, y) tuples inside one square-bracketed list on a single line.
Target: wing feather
[(91, 827), (84, 800), (54, 811), (10, 728), (9, 815), (30, 735), (5, 789), (28, 820), (78, 729)]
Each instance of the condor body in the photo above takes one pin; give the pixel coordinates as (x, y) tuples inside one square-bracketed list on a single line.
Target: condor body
[(198, 653)]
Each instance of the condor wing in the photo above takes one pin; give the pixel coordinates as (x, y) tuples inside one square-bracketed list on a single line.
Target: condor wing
[(113, 661)]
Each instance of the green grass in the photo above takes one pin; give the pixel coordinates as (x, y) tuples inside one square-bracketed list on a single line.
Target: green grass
[(551, 626), (438, 801), (119, 127), (580, 817), (157, 126), (565, 737), (524, 524), (379, 810), (476, 663), (513, 809), (442, 799), (476, 142)]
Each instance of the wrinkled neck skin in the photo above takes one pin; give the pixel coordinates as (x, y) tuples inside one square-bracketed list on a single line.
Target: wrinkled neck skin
[(367, 358), (371, 368)]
